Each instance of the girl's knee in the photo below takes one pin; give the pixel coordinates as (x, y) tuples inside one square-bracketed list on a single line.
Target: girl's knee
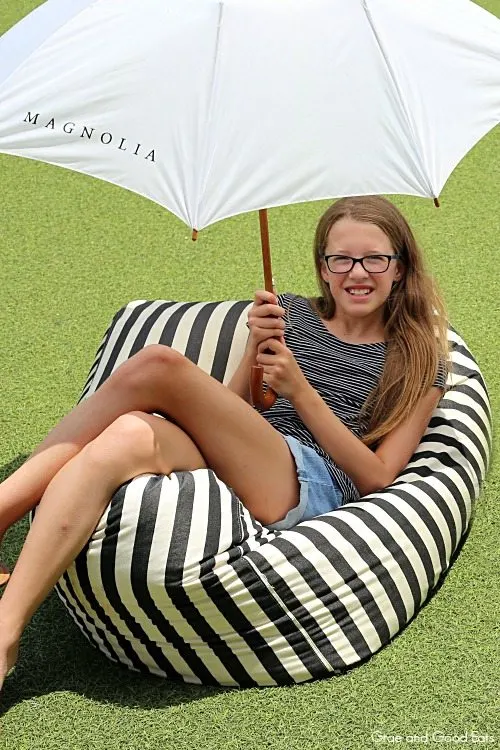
[(155, 358), (149, 365), (128, 438)]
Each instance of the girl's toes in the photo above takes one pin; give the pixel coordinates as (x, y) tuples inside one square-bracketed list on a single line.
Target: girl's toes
[(4, 574)]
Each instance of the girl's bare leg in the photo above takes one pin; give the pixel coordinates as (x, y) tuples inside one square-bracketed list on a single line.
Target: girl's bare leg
[(243, 449), (72, 505)]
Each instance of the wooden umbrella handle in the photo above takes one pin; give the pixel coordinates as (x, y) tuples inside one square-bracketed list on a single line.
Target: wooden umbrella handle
[(263, 398)]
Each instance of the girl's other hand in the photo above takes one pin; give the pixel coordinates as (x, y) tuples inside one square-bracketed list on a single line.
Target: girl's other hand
[(265, 319), (281, 370)]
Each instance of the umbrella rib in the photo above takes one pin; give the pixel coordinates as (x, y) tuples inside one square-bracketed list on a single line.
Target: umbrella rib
[(200, 188), (390, 69)]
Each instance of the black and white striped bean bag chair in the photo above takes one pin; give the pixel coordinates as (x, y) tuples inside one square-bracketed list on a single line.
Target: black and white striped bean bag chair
[(179, 580)]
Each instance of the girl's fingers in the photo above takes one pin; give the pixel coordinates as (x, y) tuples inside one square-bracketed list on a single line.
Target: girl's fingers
[(273, 344), (266, 311), (272, 313), (267, 326), (276, 335), (267, 303), (264, 361), (262, 296)]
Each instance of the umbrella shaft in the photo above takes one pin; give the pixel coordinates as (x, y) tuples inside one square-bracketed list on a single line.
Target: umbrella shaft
[(266, 250)]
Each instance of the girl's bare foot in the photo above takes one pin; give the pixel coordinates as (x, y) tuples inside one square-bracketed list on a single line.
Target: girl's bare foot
[(8, 658), (4, 574), (4, 571)]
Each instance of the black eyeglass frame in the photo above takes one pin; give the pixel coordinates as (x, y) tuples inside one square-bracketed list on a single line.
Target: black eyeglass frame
[(360, 260)]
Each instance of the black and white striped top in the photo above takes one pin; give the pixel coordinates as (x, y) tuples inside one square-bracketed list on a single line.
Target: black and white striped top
[(343, 374)]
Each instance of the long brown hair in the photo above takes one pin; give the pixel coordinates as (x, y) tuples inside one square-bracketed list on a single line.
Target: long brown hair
[(414, 315)]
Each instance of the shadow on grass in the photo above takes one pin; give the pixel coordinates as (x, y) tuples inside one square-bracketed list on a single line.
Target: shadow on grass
[(56, 657)]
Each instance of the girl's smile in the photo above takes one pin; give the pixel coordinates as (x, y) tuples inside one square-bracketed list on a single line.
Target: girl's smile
[(360, 292)]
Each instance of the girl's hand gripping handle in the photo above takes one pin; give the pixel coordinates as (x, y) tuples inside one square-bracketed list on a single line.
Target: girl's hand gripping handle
[(265, 321)]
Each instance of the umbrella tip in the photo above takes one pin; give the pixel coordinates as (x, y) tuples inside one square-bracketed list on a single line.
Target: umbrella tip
[(194, 235), (436, 202)]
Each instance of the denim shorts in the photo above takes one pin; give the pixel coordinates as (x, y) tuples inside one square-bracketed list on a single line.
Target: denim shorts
[(319, 493)]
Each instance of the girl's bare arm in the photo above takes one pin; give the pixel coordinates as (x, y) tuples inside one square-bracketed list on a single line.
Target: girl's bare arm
[(369, 470)]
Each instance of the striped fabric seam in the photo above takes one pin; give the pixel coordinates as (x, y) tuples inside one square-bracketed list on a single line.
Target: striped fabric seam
[(277, 613), (325, 667), (315, 581)]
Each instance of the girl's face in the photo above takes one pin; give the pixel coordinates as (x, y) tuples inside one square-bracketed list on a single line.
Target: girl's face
[(359, 293)]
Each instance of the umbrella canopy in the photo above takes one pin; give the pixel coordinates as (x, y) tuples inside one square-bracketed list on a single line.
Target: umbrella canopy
[(214, 108)]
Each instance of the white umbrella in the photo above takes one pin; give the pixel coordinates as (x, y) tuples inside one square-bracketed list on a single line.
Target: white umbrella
[(212, 108)]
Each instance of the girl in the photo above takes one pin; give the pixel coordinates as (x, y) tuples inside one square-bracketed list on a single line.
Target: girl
[(359, 371)]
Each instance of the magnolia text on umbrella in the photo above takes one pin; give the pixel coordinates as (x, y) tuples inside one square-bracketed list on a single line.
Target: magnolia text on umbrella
[(106, 138)]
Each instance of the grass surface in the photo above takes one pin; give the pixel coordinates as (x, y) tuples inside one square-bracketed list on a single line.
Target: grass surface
[(72, 251)]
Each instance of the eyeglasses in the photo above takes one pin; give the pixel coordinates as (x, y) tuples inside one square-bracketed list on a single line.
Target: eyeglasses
[(371, 263)]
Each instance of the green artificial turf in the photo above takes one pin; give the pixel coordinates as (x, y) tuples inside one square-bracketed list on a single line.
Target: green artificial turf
[(72, 251)]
